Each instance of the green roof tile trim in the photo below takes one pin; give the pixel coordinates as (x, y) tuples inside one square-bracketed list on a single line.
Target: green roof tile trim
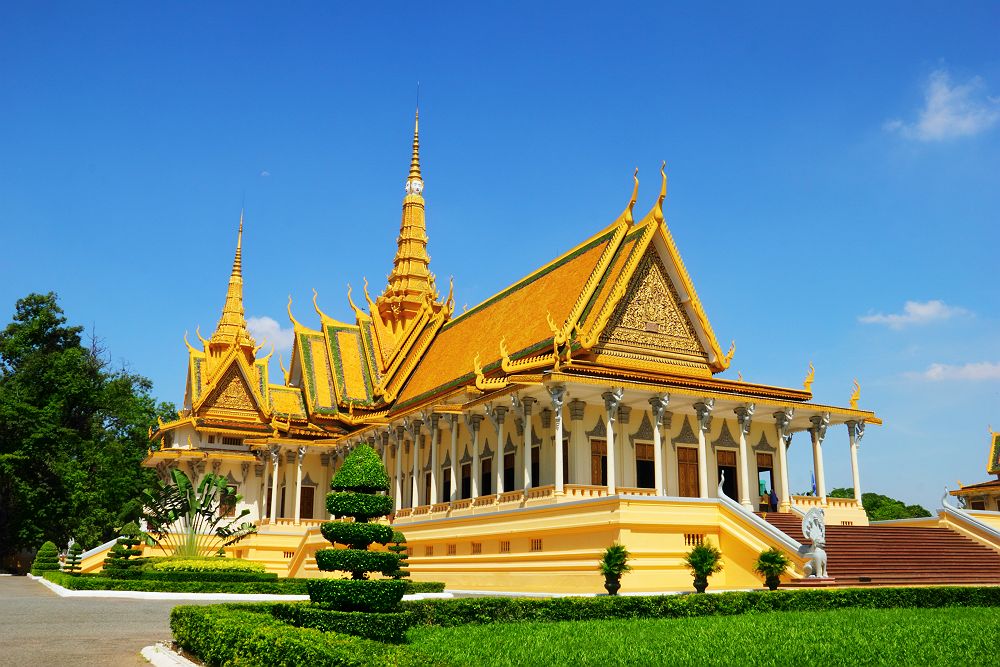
[(366, 330), (629, 238), (336, 357), (197, 379)]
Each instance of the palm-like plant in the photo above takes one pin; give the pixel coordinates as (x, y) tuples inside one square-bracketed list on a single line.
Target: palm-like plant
[(771, 564), (613, 564), (189, 521), (703, 560)]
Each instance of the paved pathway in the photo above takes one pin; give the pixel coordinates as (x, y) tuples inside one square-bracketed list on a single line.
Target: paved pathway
[(37, 627)]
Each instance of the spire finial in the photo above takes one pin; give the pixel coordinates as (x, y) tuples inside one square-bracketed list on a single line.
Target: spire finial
[(415, 183), (232, 327)]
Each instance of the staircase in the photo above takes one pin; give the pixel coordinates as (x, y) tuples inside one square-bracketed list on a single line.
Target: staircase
[(898, 555)]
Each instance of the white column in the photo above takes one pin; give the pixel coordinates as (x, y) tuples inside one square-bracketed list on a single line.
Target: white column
[(300, 454), (558, 395), (612, 399), (472, 423), (743, 415), (262, 504), (703, 411), (496, 416), (579, 447), (453, 455), (783, 421), (856, 431), (659, 405), (818, 433), (414, 430), (434, 460), (275, 455), (524, 407), (397, 435)]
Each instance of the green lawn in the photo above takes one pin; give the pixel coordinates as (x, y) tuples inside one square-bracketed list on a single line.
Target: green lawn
[(948, 636)]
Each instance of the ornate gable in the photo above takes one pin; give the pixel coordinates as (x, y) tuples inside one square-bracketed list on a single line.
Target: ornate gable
[(232, 397)]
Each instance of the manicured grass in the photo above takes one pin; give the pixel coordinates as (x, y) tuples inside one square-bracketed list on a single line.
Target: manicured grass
[(951, 636)]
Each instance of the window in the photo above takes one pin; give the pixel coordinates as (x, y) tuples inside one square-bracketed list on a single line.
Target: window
[(446, 485), (645, 469), (687, 472), (211, 439), (466, 480), (486, 483), (427, 488), (477, 547), (508, 472), (235, 442), (306, 502), (977, 504), (505, 546), (536, 544), (452, 549), (536, 473), (599, 462), (429, 550), (227, 503)]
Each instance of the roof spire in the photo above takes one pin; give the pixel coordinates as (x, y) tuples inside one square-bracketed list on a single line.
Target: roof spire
[(415, 182), (232, 327)]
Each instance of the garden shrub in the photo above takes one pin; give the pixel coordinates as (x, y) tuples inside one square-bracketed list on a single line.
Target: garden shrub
[(206, 575), (371, 625), (424, 586), (72, 564), (99, 583), (122, 561), (46, 560), (381, 595), (361, 506), (356, 535), (399, 548), (355, 560), (241, 634)]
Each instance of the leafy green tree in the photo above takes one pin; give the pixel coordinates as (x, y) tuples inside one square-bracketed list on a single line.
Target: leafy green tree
[(883, 508), (46, 560), (73, 432), (121, 561), (190, 521)]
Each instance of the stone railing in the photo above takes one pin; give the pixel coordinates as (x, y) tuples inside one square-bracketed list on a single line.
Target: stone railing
[(845, 503), (484, 501), (511, 496), (464, 503), (422, 509), (585, 490), (807, 501), (403, 512), (437, 508), (636, 491), (541, 492), (288, 521)]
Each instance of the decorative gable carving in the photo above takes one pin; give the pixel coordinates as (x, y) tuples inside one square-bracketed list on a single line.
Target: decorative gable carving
[(650, 315), (232, 396)]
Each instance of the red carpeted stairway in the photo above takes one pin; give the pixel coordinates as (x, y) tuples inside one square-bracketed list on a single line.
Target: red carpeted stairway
[(898, 555)]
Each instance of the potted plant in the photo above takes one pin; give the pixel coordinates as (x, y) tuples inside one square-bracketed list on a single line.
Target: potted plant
[(771, 564), (613, 565), (704, 560)]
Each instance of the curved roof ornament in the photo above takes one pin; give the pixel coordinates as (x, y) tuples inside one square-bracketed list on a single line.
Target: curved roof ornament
[(295, 322), (189, 346), (197, 332), (810, 376)]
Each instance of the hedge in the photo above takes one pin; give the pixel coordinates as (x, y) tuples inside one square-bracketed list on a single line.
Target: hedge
[(99, 583), (361, 506), (424, 586), (46, 560), (509, 610), (210, 563), (209, 575), (383, 627), (229, 635), (379, 595), (355, 560), (356, 535)]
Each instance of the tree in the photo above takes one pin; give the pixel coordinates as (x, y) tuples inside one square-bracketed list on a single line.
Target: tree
[(190, 521), (73, 432), (398, 547), (771, 564), (613, 564), (355, 494), (883, 508), (46, 560), (121, 562), (703, 560), (72, 564)]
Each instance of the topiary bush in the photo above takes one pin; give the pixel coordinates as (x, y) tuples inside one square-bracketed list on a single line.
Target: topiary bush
[(122, 562), (355, 490), (72, 564), (399, 548), (206, 564), (46, 560)]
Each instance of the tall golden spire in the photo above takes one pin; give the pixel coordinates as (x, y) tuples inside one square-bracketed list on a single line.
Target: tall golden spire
[(232, 327), (411, 284)]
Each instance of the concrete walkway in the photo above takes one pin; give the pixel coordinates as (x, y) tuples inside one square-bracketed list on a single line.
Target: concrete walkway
[(37, 627)]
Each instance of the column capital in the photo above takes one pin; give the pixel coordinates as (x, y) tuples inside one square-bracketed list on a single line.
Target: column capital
[(275, 452), (301, 452), (576, 408), (434, 419), (612, 399), (324, 459), (496, 414), (659, 405), (856, 430), (783, 419), (452, 421), (819, 426), (743, 415), (703, 411)]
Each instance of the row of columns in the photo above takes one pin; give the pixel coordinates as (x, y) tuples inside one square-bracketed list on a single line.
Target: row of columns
[(522, 409)]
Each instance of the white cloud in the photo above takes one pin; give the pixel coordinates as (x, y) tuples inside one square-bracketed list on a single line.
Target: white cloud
[(265, 173), (268, 329), (979, 371), (915, 313), (959, 110)]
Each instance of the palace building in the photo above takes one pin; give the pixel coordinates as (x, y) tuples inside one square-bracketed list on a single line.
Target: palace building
[(984, 496), (577, 407)]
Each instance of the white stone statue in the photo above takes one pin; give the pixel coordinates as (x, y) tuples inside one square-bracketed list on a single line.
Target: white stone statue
[(814, 529)]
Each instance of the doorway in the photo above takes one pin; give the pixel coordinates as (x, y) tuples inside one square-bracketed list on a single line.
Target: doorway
[(508, 472), (306, 501), (645, 470), (466, 480), (486, 479), (726, 460), (687, 472), (765, 480)]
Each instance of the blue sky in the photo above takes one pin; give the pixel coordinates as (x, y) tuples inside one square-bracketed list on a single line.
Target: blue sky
[(834, 178)]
